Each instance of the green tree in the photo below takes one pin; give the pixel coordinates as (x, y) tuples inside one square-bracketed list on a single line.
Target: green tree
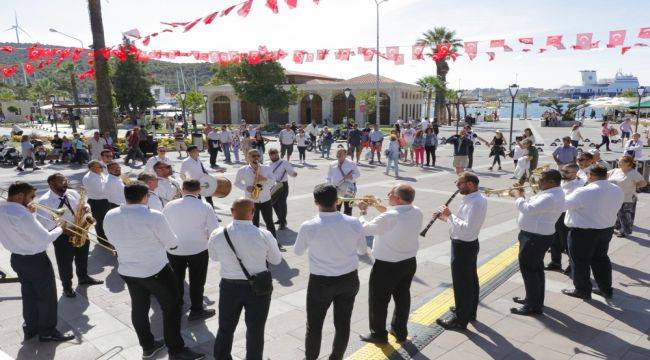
[(571, 111), (194, 103), (628, 94), (432, 38), (7, 95), (525, 99), (259, 84), (370, 99), (429, 84), (452, 99), (132, 88), (23, 92)]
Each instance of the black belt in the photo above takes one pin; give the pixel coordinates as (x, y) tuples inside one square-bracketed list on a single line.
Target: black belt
[(463, 241), (42, 253), (235, 281), (339, 277)]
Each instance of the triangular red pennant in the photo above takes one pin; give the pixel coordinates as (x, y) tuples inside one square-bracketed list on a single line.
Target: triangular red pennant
[(208, 19), (228, 10), (291, 3), (491, 55), (245, 9), (189, 26), (273, 5)]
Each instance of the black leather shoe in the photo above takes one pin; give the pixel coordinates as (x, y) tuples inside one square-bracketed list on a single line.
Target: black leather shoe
[(90, 281), (576, 294), (373, 339), (553, 267), (202, 314), (606, 295), (453, 309), (282, 249), (451, 324), (187, 354), (399, 338), (69, 293), (27, 335), (56, 337), (525, 311), (153, 350), (519, 300)]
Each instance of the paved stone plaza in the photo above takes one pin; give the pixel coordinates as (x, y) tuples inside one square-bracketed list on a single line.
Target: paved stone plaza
[(570, 328)]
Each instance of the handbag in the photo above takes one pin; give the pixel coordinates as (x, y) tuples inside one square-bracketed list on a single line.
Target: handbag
[(261, 283)]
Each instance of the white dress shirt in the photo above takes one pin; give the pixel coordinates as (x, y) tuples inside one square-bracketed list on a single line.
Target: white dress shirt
[(539, 214), (214, 136), (569, 186), (281, 170), (468, 220), (148, 168), (114, 190), (286, 137), (193, 220), (141, 237), (636, 146), (52, 201), (334, 176), (104, 168), (255, 247), (246, 177), (96, 147), (376, 135), (396, 233), (94, 185), (168, 189), (193, 169), (593, 206), (582, 174), (312, 129), (155, 202), (225, 137), (334, 241), (21, 233)]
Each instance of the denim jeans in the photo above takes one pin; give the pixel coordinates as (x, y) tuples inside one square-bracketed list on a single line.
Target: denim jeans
[(326, 150), (394, 161), (235, 151), (226, 151)]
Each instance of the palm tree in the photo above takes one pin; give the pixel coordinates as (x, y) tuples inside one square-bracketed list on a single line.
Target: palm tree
[(525, 99), (102, 82), (452, 98), (432, 38), (70, 70), (44, 88), (428, 85)]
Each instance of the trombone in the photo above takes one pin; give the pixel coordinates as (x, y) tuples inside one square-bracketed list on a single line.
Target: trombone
[(511, 191), (370, 199), (57, 215)]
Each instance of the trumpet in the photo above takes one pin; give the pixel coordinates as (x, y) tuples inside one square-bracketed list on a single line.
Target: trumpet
[(511, 191), (370, 199)]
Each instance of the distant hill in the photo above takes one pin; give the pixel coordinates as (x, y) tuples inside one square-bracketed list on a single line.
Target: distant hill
[(161, 72)]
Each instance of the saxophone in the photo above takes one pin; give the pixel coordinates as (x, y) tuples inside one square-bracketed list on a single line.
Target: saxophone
[(257, 187), (83, 221)]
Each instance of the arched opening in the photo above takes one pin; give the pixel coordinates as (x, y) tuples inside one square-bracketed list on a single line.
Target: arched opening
[(311, 110), (278, 117), (384, 110), (342, 107), (221, 110), (250, 112)]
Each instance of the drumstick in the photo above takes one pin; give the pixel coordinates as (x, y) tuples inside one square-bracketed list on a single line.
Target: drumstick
[(423, 233)]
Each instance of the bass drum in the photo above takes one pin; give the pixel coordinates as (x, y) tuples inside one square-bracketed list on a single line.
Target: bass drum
[(208, 185), (224, 186)]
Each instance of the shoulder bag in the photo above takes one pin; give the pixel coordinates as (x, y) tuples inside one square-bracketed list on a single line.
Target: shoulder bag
[(261, 283)]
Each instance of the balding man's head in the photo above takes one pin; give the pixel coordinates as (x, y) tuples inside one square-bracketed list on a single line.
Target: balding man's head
[(242, 209), (402, 194)]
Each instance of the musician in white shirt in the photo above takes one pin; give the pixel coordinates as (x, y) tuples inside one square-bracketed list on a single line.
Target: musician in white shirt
[(60, 197), (590, 216), (281, 171), (105, 157), (114, 187), (464, 227), (96, 145), (154, 202), (286, 138), (394, 248), (168, 187), (192, 168), (255, 248), (141, 237), (192, 220), (246, 179), (537, 218), (585, 160), (343, 174), (334, 242), (162, 156), (94, 182), (27, 240)]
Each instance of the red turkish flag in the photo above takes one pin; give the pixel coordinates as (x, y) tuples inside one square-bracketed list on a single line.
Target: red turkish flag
[(76, 54), (64, 54), (273, 5), (105, 52), (146, 40), (298, 56), (417, 52), (29, 68), (527, 40), (8, 71), (491, 55), (625, 49), (245, 9), (228, 10), (254, 57), (291, 3), (583, 41), (321, 54), (175, 24), (392, 53), (616, 37), (208, 19), (8, 49), (644, 33), (317, 2), (224, 58), (343, 54), (189, 26), (497, 43), (309, 57), (471, 48), (34, 52), (554, 40), (400, 59), (507, 48), (368, 54), (281, 54)]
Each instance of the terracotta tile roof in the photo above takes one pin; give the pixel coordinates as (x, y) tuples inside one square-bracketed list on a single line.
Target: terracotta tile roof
[(369, 79)]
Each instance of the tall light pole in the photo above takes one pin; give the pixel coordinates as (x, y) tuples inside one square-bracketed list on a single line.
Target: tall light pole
[(514, 88), (347, 93), (185, 126), (459, 94), (640, 91), (311, 109), (205, 103), (82, 46), (377, 98), (52, 100)]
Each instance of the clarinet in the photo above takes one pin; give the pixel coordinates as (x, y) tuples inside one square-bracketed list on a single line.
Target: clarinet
[(423, 233)]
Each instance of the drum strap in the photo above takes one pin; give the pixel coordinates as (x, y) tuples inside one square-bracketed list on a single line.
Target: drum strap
[(277, 167), (202, 168)]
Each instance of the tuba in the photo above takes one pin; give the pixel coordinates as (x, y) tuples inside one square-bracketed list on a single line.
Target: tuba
[(257, 187), (82, 221)]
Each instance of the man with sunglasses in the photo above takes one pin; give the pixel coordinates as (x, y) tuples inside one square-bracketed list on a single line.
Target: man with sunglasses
[(168, 187), (162, 156)]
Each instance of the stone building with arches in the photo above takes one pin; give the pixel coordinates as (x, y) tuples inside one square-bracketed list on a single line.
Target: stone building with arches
[(328, 103)]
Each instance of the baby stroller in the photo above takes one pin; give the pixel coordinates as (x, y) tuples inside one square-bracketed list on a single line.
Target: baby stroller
[(9, 155)]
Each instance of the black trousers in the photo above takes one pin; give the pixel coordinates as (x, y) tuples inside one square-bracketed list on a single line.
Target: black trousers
[(347, 209), (532, 248), (588, 251), (235, 296), (163, 287), (302, 153), (65, 254), (470, 156), (197, 265), (214, 151), (267, 214), (390, 279), (322, 292), (99, 208), (286, 149), (559, 246), (280, 203), (431, 155), (465, 278), (605, 142), (38, 291)]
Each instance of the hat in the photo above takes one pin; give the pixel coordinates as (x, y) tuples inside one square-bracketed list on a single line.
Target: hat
[(499, 131), (594, 152)]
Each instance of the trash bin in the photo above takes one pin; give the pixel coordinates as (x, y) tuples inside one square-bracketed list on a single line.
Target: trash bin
[(197, 140)]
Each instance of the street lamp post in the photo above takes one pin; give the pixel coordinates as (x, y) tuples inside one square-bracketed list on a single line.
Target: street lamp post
[(311, 109), (640, 91), (347, 93), (377, 98), (52, 100), (514, 88), (459, 94), (185, 126), (205, 103)]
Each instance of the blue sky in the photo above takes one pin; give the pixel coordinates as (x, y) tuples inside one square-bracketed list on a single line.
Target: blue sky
[(351, 23)]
